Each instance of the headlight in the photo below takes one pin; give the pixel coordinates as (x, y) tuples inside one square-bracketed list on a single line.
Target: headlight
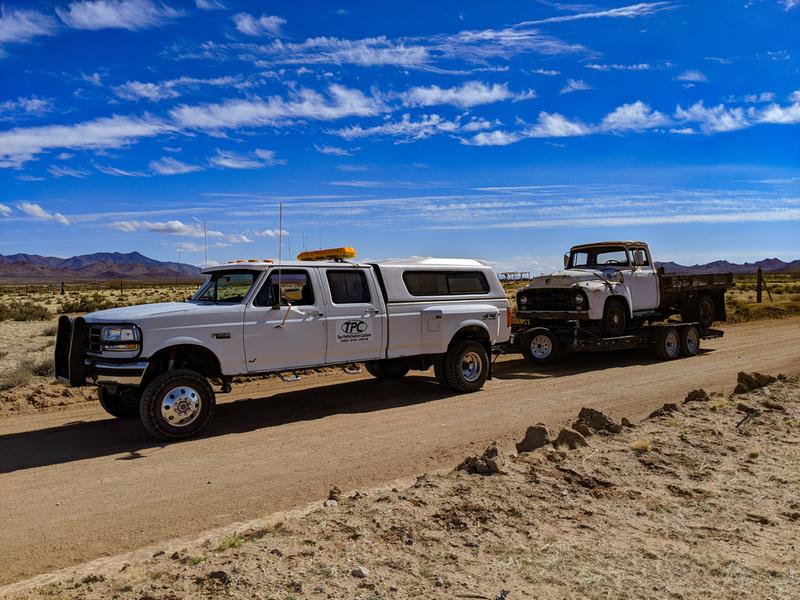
[(578, 299), (523, 300), (120, 339)]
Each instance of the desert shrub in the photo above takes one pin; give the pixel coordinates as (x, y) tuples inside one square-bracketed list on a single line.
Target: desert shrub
[(23, 311), (50, 330), (85, 304), (25, 371)]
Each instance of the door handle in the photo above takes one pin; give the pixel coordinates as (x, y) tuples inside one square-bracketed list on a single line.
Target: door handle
[(371, 311)]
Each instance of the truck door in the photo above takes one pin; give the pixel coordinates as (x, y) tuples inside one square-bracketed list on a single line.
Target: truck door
[(355, 318), (643, 282), (284, 323)]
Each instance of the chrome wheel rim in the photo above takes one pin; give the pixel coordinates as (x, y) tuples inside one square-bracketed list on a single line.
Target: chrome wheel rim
[(692, 342), (541, 346), (671, 344), (471, 366), (181, 406)]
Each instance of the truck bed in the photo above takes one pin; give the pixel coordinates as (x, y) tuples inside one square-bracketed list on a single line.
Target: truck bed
[(671, 282)]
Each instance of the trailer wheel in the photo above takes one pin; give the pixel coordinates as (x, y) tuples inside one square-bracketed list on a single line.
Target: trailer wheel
[(121, 404), (539, 345), (701, 310), (387, 369), (690, 341), (466, 365), (177, 405), (668, 346), (615, 317)]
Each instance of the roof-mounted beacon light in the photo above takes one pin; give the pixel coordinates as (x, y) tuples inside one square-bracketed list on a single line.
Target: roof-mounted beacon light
[(328, 254)]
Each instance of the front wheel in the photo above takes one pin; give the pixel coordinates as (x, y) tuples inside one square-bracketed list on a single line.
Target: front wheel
[(615, 318), (123, 404), (668, 346), (538, 345), (466, 366), (177, 404)]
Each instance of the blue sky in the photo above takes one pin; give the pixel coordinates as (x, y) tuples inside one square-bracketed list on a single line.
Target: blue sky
[(498, 130)]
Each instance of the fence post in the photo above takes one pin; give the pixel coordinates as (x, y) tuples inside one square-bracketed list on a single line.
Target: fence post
[(759, 284)]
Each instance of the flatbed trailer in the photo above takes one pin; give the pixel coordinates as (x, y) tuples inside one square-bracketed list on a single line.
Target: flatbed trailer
[(669, 340)]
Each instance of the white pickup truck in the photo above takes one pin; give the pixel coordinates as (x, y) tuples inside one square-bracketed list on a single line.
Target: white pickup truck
[(255, 317)]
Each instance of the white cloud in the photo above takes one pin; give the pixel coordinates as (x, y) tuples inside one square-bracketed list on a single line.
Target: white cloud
[(303, 104), (683, 131), (332, 150), (795, 96), (232, 160), (636, 116), (692, 76), (29, 178), (269, 158), (173, 227), (790, 4), (757, 98), (493, 138), (58, 171), (170, 166), (556, 125), (37, 212), (20, 145), (408, 129), (5, 211), (238, 238), (618, 67), (780, 115), (172, 88), (19, 26), (31, 105), (116, 172), (265, 24), (467, 95), (548, 72), (574, 85), (367, 52), (641, 9), (209, 4), (272, 233), (116, 14), (713, 119)]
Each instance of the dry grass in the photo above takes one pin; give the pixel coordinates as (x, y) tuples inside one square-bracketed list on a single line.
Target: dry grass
[(23, 311), (26, 370), (641, 445)]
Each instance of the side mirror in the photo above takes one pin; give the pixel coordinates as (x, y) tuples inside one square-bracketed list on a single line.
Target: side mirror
[(566, 260)]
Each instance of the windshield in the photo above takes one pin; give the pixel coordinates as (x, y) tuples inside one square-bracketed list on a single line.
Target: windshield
[(610, 256), (230, 287)]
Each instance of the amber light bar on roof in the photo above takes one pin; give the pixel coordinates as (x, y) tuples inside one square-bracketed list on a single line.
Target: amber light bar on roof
[(328, 254)]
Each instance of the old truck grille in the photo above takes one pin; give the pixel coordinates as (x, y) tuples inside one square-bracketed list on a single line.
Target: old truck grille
[(547, 299)]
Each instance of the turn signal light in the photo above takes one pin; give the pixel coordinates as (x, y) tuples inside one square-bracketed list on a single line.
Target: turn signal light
[(328, 254)]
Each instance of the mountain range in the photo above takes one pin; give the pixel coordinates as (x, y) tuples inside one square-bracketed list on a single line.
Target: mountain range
[(768, 265), (101, 265)]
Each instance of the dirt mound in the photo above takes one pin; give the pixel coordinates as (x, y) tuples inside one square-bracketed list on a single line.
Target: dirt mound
[(35, 397), (696, 503)]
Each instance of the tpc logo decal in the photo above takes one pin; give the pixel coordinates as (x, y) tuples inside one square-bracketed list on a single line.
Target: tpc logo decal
[(354, 331), (350, 327)]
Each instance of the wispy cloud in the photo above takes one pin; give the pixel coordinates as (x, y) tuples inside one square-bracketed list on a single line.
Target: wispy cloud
[(37, 212), (272, 233), (25, 106), (232, 160), (171, 88), (20, 26), (59, 171), (635, 116), (117, 172), (631, 11), (332, 150), (692, 76), (170, 166), (619, 67), (574, 85), (116, 14), (5, 211), (263, 25), (173, 227), (209, 4), (466, 95), (409, 129)]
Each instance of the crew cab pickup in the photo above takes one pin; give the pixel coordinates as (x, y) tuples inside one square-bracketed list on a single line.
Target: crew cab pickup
[(156, 361), (605, 296)]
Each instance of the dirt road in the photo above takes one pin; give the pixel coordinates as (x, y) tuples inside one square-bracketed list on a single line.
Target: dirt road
[(76, 485)]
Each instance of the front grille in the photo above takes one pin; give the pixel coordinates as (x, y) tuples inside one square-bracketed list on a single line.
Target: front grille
[(547, 299), (95, 347)]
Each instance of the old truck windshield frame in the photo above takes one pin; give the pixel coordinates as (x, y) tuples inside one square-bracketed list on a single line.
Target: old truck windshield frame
[(599, 256)]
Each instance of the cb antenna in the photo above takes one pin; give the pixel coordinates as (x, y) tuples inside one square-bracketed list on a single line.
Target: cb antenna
[(280, 250)]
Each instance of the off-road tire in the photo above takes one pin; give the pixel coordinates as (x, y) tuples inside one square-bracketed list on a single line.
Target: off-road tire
[(457, 369), (690, 341), (123, 405), (615, 318), (668, 345), (156, 392), (539, 345), (701, 310), (387, 369)]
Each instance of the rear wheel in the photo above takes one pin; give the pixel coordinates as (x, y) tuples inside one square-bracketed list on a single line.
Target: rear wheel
[(466, 365), (177, 405), (690, 341), (538, 345), (387, 369), (668, 346), (615, 318), (701, 310), (123, 404)]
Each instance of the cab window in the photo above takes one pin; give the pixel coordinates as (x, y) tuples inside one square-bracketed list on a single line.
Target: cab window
[(284, 287), (600, 257), (227, 287), (445, 283), (348, 287)]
